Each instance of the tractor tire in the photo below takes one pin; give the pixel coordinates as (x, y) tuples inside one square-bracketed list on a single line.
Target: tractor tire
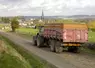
[(52, 45), (40, 41), (34, 41), (58, 47)]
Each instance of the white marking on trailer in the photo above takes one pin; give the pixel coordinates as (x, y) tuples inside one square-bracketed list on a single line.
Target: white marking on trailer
[(65, 35)]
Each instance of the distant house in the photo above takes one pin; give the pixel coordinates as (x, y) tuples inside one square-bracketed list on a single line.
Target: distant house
[(22, 24), (26, 22), (40, 20)]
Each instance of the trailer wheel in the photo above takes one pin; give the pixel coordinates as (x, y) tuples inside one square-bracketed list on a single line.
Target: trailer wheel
[(58, 47), (76, 49), (52, 45), (34, 40), (40, 41), (73, 49), (70, 49)]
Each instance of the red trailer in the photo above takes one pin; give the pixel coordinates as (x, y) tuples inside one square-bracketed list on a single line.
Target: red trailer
[(62, 35)]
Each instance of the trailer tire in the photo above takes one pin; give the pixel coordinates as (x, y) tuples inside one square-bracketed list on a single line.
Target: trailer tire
[(52, 45), (74, 49), (70, 49), (58, 47), (40, 41)]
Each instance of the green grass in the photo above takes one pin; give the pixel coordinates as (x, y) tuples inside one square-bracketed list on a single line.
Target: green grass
[(33, 60), (91, 36), (9, 61), (91, 39), (10, 58), (88, 51), (1, 26), (27, 31)]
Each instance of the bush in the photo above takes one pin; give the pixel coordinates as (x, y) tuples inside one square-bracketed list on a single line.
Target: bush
[(92, 29), (90, 46)]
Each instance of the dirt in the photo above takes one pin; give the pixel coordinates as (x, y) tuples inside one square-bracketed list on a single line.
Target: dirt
[(63, 60), (79, 60)]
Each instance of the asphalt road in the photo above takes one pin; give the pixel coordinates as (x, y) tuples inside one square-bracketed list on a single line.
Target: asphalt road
[(64, 60)]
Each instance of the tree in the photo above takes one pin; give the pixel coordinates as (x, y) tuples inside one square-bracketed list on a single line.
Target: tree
[(5, 20), (35, 21), (14, 24)]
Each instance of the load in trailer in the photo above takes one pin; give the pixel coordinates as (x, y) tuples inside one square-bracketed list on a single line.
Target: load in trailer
[(57, 36)]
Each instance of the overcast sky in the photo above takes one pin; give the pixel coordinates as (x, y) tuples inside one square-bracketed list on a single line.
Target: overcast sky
[(50, 7)]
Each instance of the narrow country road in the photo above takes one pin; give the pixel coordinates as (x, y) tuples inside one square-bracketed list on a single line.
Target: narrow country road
[(64, 60)]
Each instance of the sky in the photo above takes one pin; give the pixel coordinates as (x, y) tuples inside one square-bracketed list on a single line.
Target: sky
[(50, 7)]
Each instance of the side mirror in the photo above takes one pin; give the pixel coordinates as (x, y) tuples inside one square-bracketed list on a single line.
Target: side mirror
[(37, 33)]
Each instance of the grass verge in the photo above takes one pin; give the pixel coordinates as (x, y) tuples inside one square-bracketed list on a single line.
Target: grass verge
[(9, 61), (10, 58), (33, 60)]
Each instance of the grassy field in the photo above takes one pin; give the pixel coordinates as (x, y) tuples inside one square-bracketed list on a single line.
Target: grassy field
[(27, 31), (1, 26), (91, 36), (17, 57)]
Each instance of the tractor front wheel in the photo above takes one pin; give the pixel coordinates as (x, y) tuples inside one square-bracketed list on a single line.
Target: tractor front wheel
[(40, 41)]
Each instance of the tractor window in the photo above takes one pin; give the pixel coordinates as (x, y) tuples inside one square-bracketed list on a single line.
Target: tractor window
[(42, 29)]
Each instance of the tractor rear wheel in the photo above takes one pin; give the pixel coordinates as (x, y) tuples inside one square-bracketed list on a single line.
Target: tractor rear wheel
[(58, 47), (52, 45)]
